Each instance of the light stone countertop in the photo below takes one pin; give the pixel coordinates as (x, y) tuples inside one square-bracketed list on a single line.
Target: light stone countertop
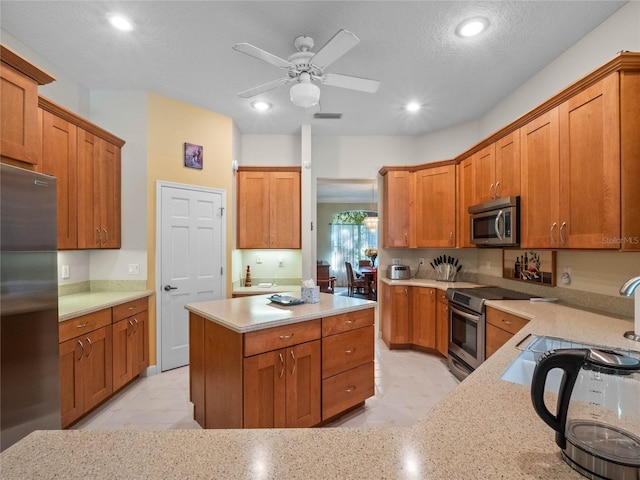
[(257, 312), (255, 289), (484, 429), (429, 283), (72, 306)]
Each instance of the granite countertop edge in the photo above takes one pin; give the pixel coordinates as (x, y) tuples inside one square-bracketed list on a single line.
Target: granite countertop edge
[(78, 304)]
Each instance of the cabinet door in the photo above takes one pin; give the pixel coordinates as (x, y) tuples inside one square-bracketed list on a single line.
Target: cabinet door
[(395, 314), (540, 176), (590, 167), (98, 372), (122, 353), (18, 117), (398, 191), (303, 385), (71, 380), (59, 145), (508, 165), (89, 229), (109, 194), (265, 378), (284, 210), (485, 174), (442, 327), (466, 198), (435, 207), (253, 199), (423, 317)]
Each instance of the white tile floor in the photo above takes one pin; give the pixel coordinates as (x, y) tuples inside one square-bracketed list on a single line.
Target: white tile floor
[(408, 385)]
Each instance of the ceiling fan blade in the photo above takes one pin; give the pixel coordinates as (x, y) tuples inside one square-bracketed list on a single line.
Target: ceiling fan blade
[(338, 45), (348, 81), (252, 92), (260, 54)]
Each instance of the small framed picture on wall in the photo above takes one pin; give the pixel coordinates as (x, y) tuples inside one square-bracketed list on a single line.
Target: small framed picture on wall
[(193, 157)]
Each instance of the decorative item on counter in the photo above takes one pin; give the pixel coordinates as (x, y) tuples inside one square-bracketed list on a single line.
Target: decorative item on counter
[(446, 268), (247, 279), (529, 266), (372, 253), (310, 291)]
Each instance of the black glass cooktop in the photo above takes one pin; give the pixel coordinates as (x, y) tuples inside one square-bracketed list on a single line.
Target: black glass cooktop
[(493, 293)]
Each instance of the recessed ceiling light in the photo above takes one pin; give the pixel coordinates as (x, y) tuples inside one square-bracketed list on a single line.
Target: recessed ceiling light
[(472, 27), (413, 106), (121, 22), (261, 105)]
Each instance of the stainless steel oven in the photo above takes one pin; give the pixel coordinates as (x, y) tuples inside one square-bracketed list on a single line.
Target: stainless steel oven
[(467, 325)]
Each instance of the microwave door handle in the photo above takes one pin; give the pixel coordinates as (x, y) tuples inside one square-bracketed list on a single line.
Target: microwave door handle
[(497, 225)]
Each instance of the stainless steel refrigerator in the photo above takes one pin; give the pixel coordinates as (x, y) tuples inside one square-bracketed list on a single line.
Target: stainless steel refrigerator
[(29, 365)]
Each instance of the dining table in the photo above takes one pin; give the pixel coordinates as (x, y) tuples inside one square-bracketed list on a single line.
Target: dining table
[(371, 274)]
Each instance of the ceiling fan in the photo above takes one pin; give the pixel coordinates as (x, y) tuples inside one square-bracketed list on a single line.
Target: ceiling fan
[(305, 66)]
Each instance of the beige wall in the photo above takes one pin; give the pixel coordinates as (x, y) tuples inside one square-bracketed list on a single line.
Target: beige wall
[(170, 124)]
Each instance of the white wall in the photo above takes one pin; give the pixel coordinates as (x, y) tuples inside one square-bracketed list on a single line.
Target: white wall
[(270, 150)]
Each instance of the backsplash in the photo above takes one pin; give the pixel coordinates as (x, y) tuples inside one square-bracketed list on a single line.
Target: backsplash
[(102, 286)]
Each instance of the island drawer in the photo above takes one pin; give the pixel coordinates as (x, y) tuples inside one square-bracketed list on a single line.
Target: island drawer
[(269, 339), (347, 350), (346, 390), (128, 309), (505, 321), (346, 321), (84, 324)]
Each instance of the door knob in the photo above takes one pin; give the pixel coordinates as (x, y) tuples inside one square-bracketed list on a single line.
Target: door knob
[(169, 287)]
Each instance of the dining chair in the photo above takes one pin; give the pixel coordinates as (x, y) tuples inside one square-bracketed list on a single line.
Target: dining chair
[(356, 285)]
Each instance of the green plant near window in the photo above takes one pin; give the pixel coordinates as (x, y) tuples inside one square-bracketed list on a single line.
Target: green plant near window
[(354, 217)]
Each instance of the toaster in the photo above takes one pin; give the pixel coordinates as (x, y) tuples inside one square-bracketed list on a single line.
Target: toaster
[(398, 272)]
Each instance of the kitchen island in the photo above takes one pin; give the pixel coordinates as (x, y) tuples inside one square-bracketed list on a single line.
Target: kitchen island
[(484, 429), (261, 362)]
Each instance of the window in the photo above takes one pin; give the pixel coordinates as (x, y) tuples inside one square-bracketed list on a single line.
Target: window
[(350, 238)]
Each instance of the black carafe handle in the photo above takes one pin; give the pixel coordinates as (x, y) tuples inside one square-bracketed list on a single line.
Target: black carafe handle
[(570, 361)]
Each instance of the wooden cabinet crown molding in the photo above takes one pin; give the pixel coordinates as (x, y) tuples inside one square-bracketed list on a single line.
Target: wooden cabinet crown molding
[(414, 168), (23, 66), (61, 112), (269, 169), (623, 62)]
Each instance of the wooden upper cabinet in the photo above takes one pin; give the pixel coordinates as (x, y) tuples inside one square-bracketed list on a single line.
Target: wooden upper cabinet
[(466, 197), (507, 179), (629, 164), (269, 208), (540, 182), (590, 167), (19, 130), (484, 165), (59, 158), (109, 180), (435, 207), (397, 204)]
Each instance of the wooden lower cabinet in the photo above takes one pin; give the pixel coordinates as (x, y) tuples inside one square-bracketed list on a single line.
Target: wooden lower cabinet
[(414, 317), (282, 388), (500, 327), (295, 375), (130, 348), (85, 373)]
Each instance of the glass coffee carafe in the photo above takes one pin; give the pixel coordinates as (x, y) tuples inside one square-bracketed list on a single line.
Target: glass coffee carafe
[(598, 410)]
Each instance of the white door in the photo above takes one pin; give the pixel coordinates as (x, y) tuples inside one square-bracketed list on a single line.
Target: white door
[(192, 254)]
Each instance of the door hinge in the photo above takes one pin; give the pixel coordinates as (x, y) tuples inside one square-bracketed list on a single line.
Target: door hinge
[(312, 226)]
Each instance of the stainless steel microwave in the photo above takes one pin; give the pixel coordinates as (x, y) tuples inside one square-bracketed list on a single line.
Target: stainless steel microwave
[(496, 223)]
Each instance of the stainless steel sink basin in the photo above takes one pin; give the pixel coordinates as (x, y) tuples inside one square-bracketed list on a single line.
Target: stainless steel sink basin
[(521, 369)]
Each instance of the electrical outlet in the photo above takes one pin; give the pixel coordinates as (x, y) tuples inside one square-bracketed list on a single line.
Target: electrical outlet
[(133, 269), (395, 261), (421, 261), (65, 271), (258, 258)]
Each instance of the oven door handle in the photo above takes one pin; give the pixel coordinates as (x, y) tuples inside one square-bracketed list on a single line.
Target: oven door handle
[(468, 316)]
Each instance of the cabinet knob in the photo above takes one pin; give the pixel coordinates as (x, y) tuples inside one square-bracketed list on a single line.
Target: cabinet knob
[(350, 389), (350, 351)]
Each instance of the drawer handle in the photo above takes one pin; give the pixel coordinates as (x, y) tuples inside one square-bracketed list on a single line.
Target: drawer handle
[(281, 364), (91, 345), (82, 325), (508, 322), (350, 389), (350, 351), (285, 337), (132, 308), (348, 322)]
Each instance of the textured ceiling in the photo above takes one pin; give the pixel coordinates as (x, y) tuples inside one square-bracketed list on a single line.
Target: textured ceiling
[(182, 49)]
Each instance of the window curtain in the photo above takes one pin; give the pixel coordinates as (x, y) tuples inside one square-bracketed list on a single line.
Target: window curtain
[(348, 243)]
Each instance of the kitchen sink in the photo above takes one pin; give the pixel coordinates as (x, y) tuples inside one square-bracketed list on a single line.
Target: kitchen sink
[(533, 346)]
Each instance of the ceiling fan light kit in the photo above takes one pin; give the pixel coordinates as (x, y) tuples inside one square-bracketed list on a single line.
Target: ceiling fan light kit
[(303, 67)]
